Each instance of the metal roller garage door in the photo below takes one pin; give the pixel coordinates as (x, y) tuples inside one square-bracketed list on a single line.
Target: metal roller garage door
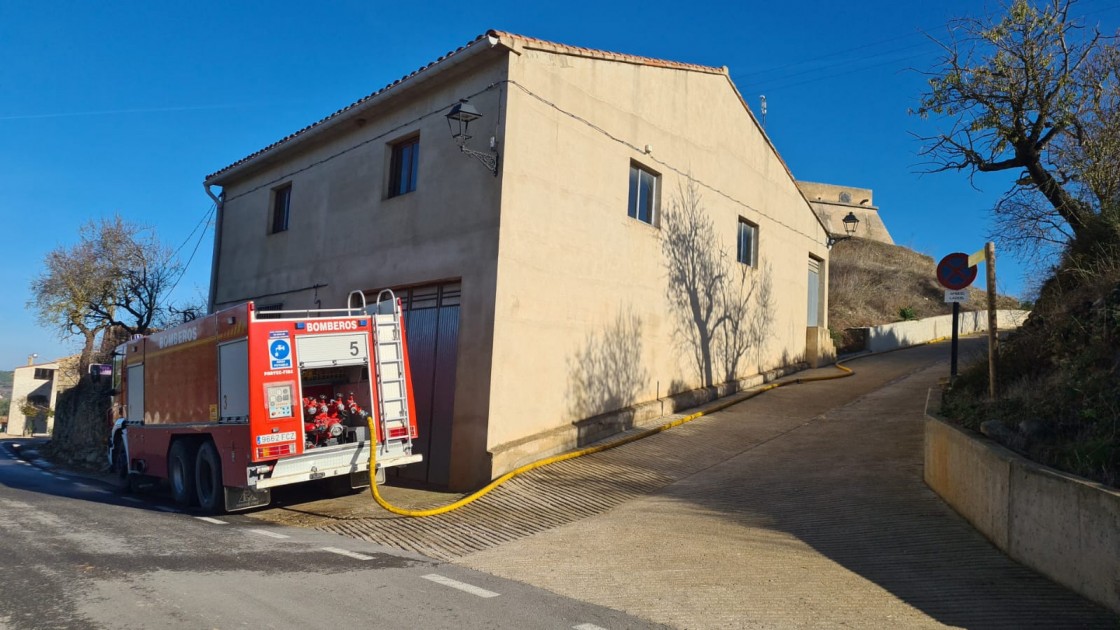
[(431, 315)]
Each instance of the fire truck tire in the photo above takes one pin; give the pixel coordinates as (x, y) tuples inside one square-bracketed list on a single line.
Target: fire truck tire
[(208, 479), (180, 472), (125, 479), (120, 461)]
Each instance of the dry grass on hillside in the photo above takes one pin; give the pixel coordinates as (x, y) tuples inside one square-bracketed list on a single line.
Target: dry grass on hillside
[(870, 283)]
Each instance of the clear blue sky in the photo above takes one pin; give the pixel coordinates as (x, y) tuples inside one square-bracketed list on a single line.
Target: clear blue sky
[(124, 107)]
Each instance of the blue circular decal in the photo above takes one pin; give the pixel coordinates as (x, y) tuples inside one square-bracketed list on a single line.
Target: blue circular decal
[(279, 349)]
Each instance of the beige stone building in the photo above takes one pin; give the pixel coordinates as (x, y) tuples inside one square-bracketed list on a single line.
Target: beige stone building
[(617, 238), (39, 384), (832, 203)]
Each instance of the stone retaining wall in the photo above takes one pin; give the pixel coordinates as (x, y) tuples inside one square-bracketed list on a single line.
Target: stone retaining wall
[(1060, 525)]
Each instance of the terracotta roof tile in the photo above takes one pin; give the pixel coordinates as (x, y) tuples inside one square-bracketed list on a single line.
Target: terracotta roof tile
[(503, 37)]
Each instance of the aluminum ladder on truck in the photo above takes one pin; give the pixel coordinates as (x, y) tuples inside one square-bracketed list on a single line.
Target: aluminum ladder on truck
[(392, 388)]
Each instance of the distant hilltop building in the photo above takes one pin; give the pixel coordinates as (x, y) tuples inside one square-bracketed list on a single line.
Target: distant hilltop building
[(832, 203)]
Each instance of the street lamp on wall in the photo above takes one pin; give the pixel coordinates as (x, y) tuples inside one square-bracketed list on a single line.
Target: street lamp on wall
[(850, 225), (460, 117)]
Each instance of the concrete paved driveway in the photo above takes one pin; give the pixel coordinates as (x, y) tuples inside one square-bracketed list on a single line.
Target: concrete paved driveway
[(821, 520)]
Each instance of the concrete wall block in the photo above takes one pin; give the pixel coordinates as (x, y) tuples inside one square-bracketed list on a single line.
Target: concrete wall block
[(970, 477), (905, 334), (1068, 529), (1062, 526)]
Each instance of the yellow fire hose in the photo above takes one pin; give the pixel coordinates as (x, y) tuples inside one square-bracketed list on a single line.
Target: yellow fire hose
[(572, 454)]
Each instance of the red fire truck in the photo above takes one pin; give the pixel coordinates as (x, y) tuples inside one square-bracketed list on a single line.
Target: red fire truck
[(231, 405)]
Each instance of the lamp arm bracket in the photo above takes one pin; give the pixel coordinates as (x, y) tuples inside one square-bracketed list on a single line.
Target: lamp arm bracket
[(489, 159)]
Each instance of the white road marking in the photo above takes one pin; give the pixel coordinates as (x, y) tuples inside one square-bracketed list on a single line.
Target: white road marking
[(462, 586), (588, 626), (211, 520), (265, 532), (84, 488), (349, 554)]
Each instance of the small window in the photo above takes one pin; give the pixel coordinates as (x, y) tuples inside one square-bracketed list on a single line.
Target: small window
[(44, 374), (643, 195), (281, 202), (747, 250), (404, 166)]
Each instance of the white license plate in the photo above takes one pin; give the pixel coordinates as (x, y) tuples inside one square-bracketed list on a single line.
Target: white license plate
[(273, 438)]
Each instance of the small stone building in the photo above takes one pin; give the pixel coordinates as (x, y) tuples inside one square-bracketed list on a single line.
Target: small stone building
[(832, 203), (39, 384)]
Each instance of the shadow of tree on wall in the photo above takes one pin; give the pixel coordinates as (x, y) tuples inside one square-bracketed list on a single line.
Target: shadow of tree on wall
[(606, 375), (721, 309)]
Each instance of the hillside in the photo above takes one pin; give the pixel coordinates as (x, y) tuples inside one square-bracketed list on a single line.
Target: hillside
[(872, 283), (6, 383)]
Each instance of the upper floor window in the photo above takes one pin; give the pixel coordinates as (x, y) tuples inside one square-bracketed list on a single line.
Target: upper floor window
[(747, 241), (643, 194), (404, 165), (43, 374), (281, 201)]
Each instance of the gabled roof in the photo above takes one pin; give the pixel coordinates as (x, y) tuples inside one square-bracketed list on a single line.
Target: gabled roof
[(490, 39), (514, 41)]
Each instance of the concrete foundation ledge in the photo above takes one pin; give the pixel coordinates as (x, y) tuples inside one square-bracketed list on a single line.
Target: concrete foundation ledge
[(506, 457), (1062, 526)]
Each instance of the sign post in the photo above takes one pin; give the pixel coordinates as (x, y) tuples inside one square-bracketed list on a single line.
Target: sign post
[(993, 320), (955, 272)]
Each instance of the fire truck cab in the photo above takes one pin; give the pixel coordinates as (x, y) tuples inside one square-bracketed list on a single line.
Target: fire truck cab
[(226, 407)]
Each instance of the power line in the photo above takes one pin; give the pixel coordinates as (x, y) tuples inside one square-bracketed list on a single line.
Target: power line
[(186, 266), (830, 55), (681, 173), (205, 219), (668, 166), (748, 77), (779, 86), (380, 136)]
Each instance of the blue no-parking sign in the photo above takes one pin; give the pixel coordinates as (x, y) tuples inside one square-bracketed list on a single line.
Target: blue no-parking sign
[(954, 272)]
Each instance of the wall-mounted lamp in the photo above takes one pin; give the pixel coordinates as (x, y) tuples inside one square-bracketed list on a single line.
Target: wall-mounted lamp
[(458, 121), (850, 224)]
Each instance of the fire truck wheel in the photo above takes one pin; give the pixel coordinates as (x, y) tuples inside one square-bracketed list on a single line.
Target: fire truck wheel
[(208, 478), (180, 472), (120, 462)]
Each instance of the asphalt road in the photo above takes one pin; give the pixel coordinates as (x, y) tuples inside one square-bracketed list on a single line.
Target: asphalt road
[(803, 507), (75, 553)]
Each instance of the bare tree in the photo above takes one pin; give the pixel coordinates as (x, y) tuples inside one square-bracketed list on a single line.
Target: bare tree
[(1025, 93), (117, 275), (70, 280), (141, 271)]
